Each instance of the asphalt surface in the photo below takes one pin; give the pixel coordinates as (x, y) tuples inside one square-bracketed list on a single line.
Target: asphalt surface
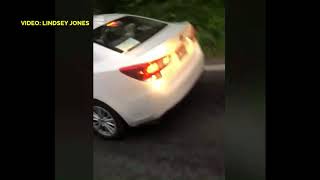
[(185, 144)]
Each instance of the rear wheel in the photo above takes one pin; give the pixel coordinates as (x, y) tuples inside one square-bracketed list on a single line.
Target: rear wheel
[(106, 122)]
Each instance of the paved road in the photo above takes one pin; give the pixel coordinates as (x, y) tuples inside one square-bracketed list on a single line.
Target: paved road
[(185, 145)]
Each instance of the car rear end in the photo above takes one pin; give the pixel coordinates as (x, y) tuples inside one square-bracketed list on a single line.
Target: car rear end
[(158, 74), (168, 72)]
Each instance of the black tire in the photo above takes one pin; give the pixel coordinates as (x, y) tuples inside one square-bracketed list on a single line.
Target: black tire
[(120, 124)]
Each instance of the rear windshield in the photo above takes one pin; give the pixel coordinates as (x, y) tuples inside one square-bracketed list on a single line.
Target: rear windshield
[(126, 33)]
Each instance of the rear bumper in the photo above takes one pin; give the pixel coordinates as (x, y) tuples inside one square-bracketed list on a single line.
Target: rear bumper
[(162, 95)]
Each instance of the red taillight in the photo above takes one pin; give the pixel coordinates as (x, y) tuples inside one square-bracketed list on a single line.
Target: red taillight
[(113, 24), (146, 70), (152, 68)]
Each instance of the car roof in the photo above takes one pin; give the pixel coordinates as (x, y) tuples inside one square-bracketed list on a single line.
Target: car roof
[(99, 20)]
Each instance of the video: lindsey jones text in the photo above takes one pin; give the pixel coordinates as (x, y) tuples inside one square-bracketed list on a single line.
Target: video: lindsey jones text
[(54, 23)]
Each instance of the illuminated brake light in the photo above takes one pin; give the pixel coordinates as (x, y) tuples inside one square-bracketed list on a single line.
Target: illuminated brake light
[(166, 60), (153, 68), (113, 24), (146, 71)]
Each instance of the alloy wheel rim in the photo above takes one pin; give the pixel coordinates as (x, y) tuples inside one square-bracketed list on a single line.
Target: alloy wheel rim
[(103, 121)]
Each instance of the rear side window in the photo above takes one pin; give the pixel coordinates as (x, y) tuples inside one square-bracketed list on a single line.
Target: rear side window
[(126, 33)]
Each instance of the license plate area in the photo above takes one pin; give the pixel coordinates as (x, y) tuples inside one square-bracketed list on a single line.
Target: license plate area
[(181, 52)]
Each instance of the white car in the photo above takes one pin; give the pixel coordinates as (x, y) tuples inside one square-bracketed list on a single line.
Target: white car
[(142, 68)]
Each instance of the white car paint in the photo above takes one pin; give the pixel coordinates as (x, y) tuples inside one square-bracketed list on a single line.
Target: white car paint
[(141, 101)]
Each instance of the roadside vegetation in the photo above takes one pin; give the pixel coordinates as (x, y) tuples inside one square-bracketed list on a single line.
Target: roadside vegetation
[(206, 15)]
